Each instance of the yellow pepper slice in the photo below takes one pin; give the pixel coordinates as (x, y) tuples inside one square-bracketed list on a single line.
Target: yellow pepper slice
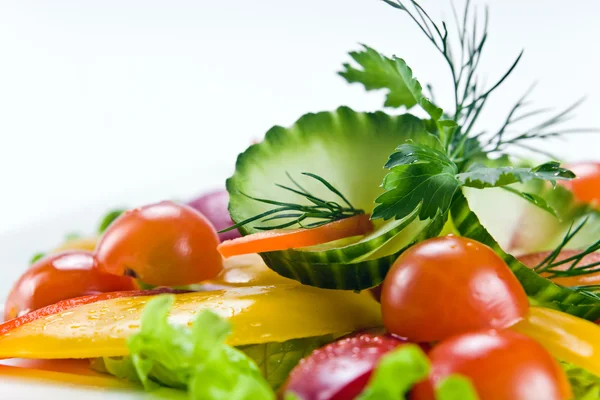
[(86, 243), (261, 306), (566, 337)]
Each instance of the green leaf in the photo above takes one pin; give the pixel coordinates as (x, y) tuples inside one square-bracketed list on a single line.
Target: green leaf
[(276, 360), (36, 257), (455, 387), (434, 111), (419, 175), (108, 219), (585, 385), (534, 199), (396, 373), (481, 177), (380, 72), (195, 359)]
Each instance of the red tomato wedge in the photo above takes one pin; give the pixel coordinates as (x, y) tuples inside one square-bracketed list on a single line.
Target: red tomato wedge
[(76, 302), (291, 239)]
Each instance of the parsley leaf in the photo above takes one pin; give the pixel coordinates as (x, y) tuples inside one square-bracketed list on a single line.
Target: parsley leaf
[(481, 177), (419, 175), (380, 72)]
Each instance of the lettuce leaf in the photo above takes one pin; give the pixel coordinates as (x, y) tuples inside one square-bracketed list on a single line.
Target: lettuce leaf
[(585, 385), (276, 360), (194, 359)]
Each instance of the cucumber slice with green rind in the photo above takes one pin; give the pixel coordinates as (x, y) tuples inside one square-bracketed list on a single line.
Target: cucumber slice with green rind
[(541, 290), (346, 148), (346, 276), (359, 250)]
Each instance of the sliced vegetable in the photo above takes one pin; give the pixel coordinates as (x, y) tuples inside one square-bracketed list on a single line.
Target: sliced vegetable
[(161, 244), (355, 275), (500, 365), (450, 285), (275, 240), (539, 289), (275, 312), (85, 243), (344, 147), (213, 205), (341, 369), (566, 337), (58, 277), (366, 247), (193, 359)]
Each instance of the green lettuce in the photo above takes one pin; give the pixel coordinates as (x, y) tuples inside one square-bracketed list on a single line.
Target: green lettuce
[(194, 359), (585, 385), (276, 360)]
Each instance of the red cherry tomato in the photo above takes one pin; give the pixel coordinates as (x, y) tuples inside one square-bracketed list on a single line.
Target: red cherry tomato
[(450, 285), (59, 277), (586, 186), (161, 244), (340, 370), (500, 364), (532, 260)]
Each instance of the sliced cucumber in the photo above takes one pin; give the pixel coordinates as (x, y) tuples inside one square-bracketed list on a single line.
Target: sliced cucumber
[(541, 290), (348, 149), (357, 251), (347, 276), (523, 228)]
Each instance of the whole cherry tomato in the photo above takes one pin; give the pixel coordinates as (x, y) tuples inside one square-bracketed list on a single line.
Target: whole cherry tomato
[(500, 364), (59, 277), (450, 285), (586, 186), (161, 244)]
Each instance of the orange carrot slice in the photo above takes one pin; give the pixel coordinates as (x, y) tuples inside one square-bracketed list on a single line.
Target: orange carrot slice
[(295, 238)]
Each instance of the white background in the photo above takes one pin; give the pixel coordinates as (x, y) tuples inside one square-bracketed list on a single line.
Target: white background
[(113, 102)]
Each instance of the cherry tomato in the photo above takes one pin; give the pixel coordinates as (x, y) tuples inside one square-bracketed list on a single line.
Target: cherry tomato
[(59, 277), (450, 285), (532, 260), (161, 244), (500, 364), (586, 186), (340, 370)]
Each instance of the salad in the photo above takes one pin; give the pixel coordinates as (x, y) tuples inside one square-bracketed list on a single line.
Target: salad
[(401, 254)]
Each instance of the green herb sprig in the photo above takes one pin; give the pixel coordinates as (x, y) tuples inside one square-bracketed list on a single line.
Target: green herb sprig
[(323, 211), (554, 268), (430, 176)]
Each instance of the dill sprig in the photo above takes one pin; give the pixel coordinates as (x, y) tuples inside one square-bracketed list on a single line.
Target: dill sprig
[(324, 211), (463, 53), (555, 268), (470, 96)]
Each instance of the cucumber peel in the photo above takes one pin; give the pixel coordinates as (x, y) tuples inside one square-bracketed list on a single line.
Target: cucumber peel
[(348, 149)]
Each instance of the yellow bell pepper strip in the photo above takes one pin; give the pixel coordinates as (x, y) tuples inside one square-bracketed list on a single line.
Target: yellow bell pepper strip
[(273, 310), (566, 337), (86, 243)]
